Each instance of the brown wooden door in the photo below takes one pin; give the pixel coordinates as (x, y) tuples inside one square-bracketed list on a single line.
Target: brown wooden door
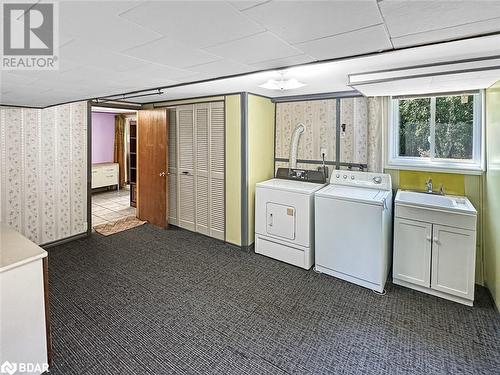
[(152, 166)]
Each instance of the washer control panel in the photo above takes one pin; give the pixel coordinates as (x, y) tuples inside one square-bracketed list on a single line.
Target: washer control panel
[(362, 179)]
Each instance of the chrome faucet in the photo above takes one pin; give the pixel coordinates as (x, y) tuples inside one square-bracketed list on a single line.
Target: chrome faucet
[(428, 185)]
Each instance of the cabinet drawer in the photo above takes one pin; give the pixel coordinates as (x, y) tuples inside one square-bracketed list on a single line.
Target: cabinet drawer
[(104, 176), (109, 179)]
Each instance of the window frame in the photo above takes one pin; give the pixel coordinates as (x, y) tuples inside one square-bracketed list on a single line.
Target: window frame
[(475, 165)]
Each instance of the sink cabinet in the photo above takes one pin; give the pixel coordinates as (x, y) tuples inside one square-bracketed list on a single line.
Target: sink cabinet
[(412, 252), (435, 251), (453, 261)]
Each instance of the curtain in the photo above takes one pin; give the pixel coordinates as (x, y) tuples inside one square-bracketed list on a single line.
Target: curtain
[(119, 155)]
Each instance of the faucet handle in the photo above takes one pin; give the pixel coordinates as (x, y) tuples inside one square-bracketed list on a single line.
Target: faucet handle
[(441, 189)]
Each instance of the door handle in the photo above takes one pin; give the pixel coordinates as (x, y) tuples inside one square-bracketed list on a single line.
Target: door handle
[(270, 220), (436, 240), (185, 172), (162, 174)]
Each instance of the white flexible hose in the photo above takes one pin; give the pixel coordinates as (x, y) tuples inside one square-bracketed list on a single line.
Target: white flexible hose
[(294, 145)]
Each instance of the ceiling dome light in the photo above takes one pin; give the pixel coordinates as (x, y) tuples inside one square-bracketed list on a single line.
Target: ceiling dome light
[(282, 84)]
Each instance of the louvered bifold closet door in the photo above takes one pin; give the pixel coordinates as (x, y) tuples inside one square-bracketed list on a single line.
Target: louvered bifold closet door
[(202, 167), (186, 163), (172, 166), (217, 171)]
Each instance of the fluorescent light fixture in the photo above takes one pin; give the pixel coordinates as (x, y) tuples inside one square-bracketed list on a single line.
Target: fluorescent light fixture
[(282, 84), (474, 73)]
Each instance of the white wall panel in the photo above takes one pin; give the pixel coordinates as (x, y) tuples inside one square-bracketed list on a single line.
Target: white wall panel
[(43, 171), (31, 173), (48, 178)]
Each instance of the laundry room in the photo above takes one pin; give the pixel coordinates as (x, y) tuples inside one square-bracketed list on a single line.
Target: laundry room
[(250, 187)]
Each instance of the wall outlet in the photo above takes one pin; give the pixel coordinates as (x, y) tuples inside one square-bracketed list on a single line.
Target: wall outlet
[(322, 151)]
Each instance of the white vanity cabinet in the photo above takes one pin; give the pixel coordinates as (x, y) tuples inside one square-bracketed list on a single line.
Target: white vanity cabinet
[(435, 245), (105, 174)]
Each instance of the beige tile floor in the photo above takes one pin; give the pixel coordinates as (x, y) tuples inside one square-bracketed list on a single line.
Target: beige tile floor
[(109, 206)]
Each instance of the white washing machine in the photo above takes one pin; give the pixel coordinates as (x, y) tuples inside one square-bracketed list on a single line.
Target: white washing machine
[(353, 218), (284, 220)]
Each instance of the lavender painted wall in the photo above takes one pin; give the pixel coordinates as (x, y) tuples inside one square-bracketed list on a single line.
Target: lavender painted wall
[(103, 137)]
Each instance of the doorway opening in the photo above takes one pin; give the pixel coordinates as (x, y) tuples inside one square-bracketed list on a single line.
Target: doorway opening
[(114, 165)]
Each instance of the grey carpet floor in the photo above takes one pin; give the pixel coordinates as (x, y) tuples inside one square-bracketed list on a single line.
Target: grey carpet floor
[(149, 301)]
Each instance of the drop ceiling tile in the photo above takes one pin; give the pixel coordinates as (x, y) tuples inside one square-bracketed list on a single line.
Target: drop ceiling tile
[(410, 17), (92, 55), (198, 23), (86, 8), (297, 22), (98, 22), (159, 71), (15, 78), (450, 33), (372, 39), (255, 48), (242, 5), (170, 52), (64, 66), (284, 62), (221, 68)]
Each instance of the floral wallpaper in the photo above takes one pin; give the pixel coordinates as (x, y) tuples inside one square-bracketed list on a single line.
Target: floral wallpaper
[(358, 115), (377, 115), (360, 140), (318, 117), (43, 171), (353, 140)]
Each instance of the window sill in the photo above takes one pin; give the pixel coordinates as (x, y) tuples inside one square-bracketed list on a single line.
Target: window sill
[(468, 169)]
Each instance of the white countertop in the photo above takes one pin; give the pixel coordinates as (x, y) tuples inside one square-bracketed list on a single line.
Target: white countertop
[(104, 164), (16, 250)]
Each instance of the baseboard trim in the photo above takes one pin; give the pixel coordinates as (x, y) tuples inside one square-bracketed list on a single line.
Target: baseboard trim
[(249, 248), (64, 240), (495, 302)]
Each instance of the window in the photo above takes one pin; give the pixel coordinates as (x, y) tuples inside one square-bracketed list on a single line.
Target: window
[(440, 132)]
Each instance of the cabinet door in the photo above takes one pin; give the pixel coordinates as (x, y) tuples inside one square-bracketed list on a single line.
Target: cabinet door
[(217, 171), (201, 171), (412, 251), (453, 261), (172, 166)]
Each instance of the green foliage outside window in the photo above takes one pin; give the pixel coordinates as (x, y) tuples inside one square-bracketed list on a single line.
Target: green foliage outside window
[(453, 127)]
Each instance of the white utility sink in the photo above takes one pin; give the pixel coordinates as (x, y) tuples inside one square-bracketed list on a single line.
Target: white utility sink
[(444, 202), (435, 244)]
